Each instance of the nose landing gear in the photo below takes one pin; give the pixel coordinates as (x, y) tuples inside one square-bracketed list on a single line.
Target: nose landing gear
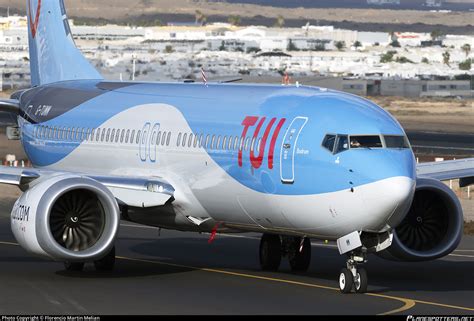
[(353, 276)]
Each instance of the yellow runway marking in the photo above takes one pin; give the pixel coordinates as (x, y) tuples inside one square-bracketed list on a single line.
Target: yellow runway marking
[(407, 303)]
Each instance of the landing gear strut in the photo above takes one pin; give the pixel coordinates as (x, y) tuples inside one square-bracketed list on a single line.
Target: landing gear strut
[(299, 253), (352, 275)]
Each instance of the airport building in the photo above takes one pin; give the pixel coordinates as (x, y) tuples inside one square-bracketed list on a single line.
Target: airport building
[(413, 88), (174, 53)]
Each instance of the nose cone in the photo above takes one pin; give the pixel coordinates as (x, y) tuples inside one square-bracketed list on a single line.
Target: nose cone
[(387, 201), (388, 196)]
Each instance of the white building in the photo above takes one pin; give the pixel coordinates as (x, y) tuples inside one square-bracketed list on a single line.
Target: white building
[(433, 3), (383, 2)]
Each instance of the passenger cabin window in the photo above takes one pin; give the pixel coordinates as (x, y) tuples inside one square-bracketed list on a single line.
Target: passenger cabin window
[(400, 142), (365, 142), (163, 139), (190, 142), (185, 138), (138, 136), (329, 142), (213, 140)]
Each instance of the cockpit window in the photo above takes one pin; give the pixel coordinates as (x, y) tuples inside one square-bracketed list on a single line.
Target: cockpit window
[(329, 142), (342, 144), (392, 141), (365, 142)]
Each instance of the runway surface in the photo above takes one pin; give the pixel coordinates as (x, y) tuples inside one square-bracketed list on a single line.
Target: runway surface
[(180, 273), (442, 144)]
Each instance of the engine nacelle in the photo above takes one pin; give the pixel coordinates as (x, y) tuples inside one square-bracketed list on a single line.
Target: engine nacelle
[(433, 226), (66, 218)]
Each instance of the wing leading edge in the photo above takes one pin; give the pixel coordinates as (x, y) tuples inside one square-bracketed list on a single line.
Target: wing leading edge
[(131, 191), (457, 169)]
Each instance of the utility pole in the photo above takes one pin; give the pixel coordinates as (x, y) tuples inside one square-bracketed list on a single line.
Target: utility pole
[(134, 61)]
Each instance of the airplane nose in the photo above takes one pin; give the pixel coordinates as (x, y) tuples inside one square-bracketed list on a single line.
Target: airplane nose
[(389, 199), (386, 201)]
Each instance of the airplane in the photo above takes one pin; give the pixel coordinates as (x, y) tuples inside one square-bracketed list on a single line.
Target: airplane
[(293, 163)]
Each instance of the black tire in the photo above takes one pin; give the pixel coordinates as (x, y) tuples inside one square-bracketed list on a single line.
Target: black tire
[(270, 252), (299, 262), (107, 263), (361, 281), (346, 280), (74, 266)]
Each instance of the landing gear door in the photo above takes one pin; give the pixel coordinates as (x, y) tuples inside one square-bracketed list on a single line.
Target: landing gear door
[(288, 150)]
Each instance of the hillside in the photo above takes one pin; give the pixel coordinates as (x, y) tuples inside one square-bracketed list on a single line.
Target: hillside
[(130, 11), (458, 5)]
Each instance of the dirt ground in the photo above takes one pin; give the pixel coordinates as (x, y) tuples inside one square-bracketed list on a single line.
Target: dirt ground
[(431, 114)]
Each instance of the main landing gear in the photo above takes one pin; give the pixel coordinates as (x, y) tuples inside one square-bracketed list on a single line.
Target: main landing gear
[(273, 247), (352, 275), (105, 264)]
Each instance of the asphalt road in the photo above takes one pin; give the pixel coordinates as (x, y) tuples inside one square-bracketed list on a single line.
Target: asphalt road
[(440, 144), (180, 273)]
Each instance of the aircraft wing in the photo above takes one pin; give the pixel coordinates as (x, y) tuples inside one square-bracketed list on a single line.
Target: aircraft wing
[(132, 191), (462, 169)]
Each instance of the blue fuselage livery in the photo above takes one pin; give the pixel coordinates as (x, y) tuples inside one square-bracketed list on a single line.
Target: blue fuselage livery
[(219, 111)]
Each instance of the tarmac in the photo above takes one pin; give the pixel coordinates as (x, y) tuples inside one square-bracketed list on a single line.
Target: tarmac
[(180, 273), (442, 144)]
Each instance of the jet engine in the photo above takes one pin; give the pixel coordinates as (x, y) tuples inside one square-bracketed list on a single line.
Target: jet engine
[(433, 226), (66, 218)]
